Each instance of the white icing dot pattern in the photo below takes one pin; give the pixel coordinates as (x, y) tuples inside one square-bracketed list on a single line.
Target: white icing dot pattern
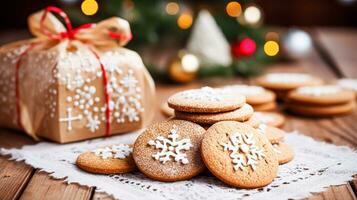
[(243, 151), (171, 147)]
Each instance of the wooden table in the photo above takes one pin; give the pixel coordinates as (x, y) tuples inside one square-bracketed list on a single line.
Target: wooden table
[(334, 56)]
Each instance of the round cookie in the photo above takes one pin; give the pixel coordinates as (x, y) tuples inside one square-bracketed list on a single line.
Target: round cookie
[(274, 135), (270, 118), (254, 94), (166, 110), (348, 84), (241, 114), (239, 155), (321, 95), (170, 150), (284, 152), (322, 111), (108, 160), (265, 106), (206, 100), (287, 81)]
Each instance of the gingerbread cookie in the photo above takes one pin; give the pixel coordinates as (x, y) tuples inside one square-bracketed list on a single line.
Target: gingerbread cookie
[(321, 95), (322, 111), (348, 84), (265, 106), (270, 118), (206, 100), (241, 114), (287, 81), (108, 160), (253, 121), (274, 135), (254, 94), (239, 155), (170, 150), (284, 152), (166, 110)]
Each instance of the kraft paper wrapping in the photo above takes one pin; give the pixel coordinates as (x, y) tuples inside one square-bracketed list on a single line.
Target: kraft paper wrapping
[(61, 84)]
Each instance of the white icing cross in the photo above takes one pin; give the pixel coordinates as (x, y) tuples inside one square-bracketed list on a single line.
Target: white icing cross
[(120, 151), (245, 89), (171, 148), (70, 118), (288, 77), (319, 90), (244, 152)]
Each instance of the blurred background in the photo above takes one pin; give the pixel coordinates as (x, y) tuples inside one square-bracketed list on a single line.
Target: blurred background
[(184, 40)]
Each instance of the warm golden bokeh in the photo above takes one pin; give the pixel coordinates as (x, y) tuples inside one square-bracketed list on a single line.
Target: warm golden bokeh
[(185, 21), (233, 9)]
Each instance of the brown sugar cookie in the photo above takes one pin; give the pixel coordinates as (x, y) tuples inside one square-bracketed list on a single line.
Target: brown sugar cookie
[(170, 150), (270, 118), (321, 95), (287, 81), (254, 94), (322, 111), (206, 100), (241, 114), (166, 110), (274, 135), (108, 160), (284, 152), (265, 106), (239, 155)]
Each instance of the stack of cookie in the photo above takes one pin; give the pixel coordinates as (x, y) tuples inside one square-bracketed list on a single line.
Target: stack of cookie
[(283, 83), (208, 106), (326, 100), (258, 97)]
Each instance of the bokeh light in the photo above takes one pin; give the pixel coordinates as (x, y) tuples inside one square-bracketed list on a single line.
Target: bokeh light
[(247, 47), (271, 48), (89, 7), (233, 9), (190, 63), (252, 15), (185, 21), (172, 8), (272, 36)]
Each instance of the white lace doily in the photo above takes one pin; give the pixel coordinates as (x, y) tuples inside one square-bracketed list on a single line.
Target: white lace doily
[(316, 166)]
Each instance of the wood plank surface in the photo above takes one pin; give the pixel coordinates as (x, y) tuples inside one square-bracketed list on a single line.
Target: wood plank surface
[(21, 181)]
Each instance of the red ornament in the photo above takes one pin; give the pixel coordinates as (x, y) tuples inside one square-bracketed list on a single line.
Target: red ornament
[(246, 47)]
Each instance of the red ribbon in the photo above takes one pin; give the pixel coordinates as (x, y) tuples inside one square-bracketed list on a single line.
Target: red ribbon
[(70, 33)]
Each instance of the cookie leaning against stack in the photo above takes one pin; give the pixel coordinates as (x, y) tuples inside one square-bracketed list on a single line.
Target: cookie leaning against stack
[(261, 99), (283, 83), (211, 105), (327, 100)]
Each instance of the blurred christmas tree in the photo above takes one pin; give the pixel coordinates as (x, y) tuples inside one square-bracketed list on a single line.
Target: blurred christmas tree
[(249, 45)]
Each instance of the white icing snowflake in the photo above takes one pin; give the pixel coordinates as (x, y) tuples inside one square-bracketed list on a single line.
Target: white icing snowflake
[(171, 148), (319, 90), (93, 123), (129, 81), (120, 151), (244, 152), (288, 77)]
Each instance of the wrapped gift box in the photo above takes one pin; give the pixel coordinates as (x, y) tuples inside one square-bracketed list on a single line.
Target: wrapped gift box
[(74, 84)]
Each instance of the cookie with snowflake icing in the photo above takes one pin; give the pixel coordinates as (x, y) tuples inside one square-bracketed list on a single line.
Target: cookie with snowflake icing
[(239, 155), (274, 135), (206, 100), (170, 150), (287, 81), (241, 114), (270, 118), (254, 94), (107, 160), (321, 95), (284, 152)]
